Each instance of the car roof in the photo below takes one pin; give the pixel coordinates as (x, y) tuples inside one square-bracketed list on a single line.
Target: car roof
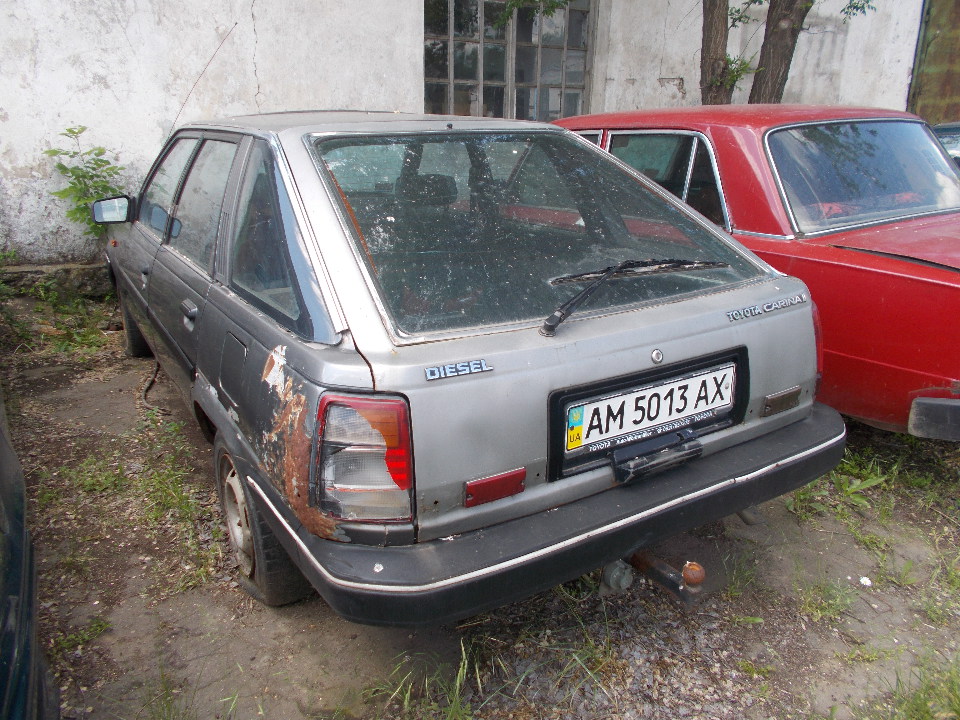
[(309, 121), (758, 117)]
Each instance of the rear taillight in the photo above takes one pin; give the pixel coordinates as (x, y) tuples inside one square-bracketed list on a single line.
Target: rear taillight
[(365, 465), (818, 336)]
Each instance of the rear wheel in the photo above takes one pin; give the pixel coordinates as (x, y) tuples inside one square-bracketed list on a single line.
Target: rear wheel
[(134, 344), (266, 571)]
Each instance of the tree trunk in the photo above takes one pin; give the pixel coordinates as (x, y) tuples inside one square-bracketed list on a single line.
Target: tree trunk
[(715, 89), (784, 23)]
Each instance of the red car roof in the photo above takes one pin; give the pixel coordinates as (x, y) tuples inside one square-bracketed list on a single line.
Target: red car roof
[(757, 117)]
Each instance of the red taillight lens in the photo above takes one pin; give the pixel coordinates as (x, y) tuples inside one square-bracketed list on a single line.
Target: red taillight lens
[(365, 466), (818, 335)]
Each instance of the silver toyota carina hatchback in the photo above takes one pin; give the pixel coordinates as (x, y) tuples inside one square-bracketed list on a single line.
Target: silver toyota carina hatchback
[(451, 362)]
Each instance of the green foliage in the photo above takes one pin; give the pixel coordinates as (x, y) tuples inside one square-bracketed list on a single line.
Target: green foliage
[(740, 14), (545, 8), (734, 70), (90, 176)]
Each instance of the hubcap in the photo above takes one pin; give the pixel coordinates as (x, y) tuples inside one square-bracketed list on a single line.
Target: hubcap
[(237, 519)]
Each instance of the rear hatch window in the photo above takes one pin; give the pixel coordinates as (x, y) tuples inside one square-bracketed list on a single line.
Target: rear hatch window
[(474, 230)]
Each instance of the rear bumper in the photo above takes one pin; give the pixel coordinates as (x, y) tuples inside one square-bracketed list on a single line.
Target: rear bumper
[(443, 580), (937, 418)]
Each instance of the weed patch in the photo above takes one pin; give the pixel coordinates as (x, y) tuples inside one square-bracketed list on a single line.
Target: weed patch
[(826, 600)]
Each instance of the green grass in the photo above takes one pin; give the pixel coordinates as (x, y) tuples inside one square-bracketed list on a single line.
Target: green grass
[(421, 688), (826, 601), (69, 642), (741, 572), (929, 692), (166, 701)]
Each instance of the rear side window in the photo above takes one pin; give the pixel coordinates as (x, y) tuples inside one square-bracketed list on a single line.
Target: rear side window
[(840, 174), (194, 231), (260, 267), (679, 162)]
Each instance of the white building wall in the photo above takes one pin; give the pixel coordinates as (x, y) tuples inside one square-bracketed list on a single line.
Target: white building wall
[(130, 69), (648, 54)]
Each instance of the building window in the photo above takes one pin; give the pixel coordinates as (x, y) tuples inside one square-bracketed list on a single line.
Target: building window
[(532, 68)]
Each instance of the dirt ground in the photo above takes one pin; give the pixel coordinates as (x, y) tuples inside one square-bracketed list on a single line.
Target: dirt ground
[(142, 618)]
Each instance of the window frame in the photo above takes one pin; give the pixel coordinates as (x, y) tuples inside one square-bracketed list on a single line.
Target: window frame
[(698, 139), (510, 85), (303, 325)]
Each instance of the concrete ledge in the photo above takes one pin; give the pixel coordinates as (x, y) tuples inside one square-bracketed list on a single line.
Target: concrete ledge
[(89, 281)]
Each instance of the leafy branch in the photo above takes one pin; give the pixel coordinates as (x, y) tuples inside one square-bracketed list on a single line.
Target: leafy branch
[(90, 176)]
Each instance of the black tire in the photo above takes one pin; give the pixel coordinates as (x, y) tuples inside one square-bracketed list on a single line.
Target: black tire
[(265, 570), (134, 344)]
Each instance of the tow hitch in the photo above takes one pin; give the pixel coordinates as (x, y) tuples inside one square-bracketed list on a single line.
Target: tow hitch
[(684, 584)]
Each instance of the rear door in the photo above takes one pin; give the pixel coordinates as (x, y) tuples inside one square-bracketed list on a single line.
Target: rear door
[(182, 270)]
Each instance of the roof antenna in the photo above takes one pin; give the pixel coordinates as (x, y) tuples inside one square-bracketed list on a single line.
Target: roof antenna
[(199, 77)]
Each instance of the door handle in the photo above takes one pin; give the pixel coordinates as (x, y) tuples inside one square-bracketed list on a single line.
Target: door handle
[(145, 270), (188, 309)]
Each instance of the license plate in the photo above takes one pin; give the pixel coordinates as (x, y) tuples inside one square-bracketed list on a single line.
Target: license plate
[(650, 410)]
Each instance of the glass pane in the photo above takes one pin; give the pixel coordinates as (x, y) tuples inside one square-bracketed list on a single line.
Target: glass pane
[(664, 158), (157, 202), (466, 61), (526, 65), (493, 97), (549, 104), (571, 103), (465, 100), (550, 66), (450, 245), (466, 18), (703, 194), (435, 99), (861, 172), (578, 29), (194, 231), (491, 15), (260, 266), (526, 103), (574, 68), (528, 29), (435, 59), (435, 16), (495, 63), (551, 28)]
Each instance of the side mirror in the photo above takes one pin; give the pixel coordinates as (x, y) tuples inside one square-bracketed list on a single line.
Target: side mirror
[(112, 210)]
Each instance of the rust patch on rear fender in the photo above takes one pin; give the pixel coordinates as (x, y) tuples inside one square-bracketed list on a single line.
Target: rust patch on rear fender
[(288, 445)]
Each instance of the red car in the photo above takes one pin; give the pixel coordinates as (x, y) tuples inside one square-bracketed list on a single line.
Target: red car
[(862, 204)]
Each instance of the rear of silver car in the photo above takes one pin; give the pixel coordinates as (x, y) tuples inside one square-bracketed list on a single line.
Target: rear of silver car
[(566, 366)]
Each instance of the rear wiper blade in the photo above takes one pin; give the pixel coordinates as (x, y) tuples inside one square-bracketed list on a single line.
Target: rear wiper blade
[(627, 268)]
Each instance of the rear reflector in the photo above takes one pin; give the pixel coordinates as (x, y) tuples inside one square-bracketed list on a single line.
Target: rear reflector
[(494, 487)]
